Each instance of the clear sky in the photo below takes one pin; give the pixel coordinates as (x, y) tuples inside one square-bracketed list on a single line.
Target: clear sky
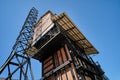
[(98, 20)]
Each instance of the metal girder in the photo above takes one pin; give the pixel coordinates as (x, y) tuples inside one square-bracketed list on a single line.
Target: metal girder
[(56, 69), (19, 61)]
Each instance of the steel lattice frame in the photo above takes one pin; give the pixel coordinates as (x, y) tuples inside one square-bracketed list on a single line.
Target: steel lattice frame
[(18, 62)]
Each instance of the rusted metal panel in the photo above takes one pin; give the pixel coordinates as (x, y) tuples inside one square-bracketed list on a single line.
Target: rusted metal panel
[(68, 72), (49, 68), (59, 57), (63, 54), (64, 76), (47, 64), (47, 59), (56, 61), (67, 51), (42, 25), (74, 71)]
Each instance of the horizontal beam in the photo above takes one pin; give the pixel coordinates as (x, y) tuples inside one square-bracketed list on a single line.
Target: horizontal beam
[(56, 69), (13, 63)]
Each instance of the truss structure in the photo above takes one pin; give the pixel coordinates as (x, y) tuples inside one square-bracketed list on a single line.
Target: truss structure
[(61, 48), (18, 65)]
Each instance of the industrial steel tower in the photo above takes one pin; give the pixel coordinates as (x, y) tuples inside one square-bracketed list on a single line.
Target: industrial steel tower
[(59, 45), (18, 63)]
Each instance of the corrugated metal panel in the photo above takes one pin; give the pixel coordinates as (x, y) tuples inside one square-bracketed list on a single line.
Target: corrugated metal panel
[(64, 21)]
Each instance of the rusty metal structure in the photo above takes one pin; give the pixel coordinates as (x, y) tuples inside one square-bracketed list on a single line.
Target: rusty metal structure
[(59, 45)]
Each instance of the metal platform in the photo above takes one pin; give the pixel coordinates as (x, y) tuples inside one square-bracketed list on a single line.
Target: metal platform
[(74, 33)]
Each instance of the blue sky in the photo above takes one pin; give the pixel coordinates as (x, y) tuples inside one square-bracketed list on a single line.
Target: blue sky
[(98, 20)]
